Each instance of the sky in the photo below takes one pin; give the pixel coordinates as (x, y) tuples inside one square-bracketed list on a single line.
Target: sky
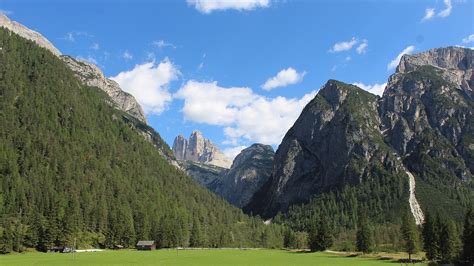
[(241, 71)]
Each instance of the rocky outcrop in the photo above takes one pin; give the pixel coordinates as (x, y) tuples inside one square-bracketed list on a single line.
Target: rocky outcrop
[(92, 76), (421, 130), (28, 34), (88, 73), (204, 174), (249, 171), (200, 150)]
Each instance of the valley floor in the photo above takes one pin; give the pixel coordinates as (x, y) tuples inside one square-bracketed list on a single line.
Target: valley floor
[(191, 257)]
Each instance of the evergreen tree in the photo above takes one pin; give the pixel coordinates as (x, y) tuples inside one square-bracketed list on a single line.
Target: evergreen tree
[(431, 237), (410, 234), (320, 235), (196, 238), (468, 237), (448, 242), (364, 235)]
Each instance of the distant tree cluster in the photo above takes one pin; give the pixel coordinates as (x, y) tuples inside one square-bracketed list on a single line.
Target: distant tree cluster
[(72, 169)]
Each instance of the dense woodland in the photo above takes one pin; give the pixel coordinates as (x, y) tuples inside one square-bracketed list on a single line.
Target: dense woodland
[(71, 167)]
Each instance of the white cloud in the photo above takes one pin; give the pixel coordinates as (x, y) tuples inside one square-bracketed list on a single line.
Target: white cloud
[(394, 63), (245, 115), (376, 88), (208, 6), (468, 39), (162, 44), (149, 84), (343, 46), (73, 35), (232, 152), (362, 48), (284, 78), (429, 14), (447, 11), (95, 46), (127, 55)]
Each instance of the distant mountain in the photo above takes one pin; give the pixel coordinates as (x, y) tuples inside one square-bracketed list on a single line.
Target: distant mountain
[(199, 150), (411, 149), (249, 171)]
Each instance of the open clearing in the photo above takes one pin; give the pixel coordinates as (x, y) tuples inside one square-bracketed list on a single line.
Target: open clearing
[(189, 257)]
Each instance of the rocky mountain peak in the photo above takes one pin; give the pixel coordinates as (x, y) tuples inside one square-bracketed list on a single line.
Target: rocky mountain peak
[(28, 34), (256, 151), (199, 149), (448, 58)]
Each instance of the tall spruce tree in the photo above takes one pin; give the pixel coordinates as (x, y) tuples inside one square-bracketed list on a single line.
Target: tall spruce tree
[(468, 237), (448, 242), (430, 234), (364, 235), (320, 235), (410, 234)]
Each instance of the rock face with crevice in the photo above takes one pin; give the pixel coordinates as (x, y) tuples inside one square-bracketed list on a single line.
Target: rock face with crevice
[(420, 132)]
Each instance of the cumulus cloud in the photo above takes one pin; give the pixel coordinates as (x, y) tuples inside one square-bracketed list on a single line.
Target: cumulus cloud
[(343, 46), (362, 48), (468, 39), (284, 78), (429, 14), (208, 6), (149, 84), (376, 88), (447, 11), (394, 63), (244, 114)]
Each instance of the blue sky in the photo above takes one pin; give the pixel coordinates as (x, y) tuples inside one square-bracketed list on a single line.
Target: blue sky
[(241, 71)]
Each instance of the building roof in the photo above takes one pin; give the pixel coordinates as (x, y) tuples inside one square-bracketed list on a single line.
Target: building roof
[(145, 243)]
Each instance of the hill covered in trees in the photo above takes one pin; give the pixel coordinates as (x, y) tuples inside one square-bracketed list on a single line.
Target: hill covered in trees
[(73, 167)]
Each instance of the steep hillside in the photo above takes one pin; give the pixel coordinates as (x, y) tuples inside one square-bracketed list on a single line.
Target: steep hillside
[(411, 149), (73, 167)]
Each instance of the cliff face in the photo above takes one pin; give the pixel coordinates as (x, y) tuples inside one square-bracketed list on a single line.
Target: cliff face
[(422, 128), (200, 150)]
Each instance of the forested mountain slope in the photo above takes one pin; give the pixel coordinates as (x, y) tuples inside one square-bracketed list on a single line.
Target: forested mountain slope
[(72, 167)]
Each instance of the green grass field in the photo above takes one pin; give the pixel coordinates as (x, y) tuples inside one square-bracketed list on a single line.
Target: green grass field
[(189, 257)]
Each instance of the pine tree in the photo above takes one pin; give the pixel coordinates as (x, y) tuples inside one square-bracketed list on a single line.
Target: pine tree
[(431, 237), (364, 236), (410, 235), (468, 237)]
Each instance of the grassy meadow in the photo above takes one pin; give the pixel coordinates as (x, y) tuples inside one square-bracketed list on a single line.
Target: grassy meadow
[(190, 257)]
